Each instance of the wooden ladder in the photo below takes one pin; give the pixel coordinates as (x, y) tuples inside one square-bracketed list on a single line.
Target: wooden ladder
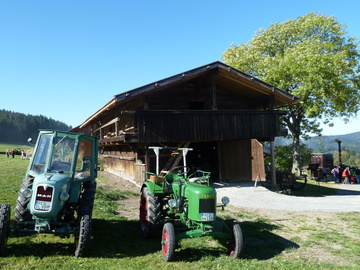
[(174, 160)]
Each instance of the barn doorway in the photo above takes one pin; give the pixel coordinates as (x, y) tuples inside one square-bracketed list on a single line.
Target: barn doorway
[(204, 156)]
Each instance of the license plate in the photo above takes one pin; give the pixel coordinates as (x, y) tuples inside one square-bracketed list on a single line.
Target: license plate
[(207, 216), (41, 205)]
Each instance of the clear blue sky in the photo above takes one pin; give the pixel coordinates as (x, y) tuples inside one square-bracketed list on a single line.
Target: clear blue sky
[(66, 59)]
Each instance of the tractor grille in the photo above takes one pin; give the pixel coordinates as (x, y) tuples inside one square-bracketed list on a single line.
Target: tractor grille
[(44, 195), (207, 206)]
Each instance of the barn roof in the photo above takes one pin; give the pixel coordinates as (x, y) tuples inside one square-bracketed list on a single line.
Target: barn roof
[(226, 76)]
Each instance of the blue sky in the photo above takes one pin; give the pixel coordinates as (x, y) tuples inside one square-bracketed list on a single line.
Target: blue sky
[(67, 59)]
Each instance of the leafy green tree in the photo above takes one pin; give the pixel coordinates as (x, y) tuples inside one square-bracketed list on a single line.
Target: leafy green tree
[(284, 154), (312, 58)]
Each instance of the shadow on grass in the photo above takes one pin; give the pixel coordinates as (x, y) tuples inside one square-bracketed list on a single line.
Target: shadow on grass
[(40, 250), (122, 239), (260, 243), (110, 239), (317, 189)]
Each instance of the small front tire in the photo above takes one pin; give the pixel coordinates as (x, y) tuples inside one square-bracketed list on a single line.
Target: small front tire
[(168, 242), (235, 247), (83, 236)]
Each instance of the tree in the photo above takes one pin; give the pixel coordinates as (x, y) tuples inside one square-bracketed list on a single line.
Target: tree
[(312, 58), (284, 154), (18, 127)]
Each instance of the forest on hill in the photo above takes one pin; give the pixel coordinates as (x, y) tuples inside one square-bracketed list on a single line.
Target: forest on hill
[(16, 128), (349, 146)]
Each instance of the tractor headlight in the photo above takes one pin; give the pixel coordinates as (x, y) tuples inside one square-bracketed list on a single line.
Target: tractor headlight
[(225, 200), (27, 192), (172, 203), (64, 196)]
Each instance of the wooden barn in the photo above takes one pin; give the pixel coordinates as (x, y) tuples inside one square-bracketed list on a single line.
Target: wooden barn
[(220, 112)]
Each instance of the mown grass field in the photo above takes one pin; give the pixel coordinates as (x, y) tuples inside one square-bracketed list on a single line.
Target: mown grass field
[(276, 240)]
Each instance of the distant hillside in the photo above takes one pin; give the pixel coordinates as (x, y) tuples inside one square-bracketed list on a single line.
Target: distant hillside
[(18, 127), (324, 144)]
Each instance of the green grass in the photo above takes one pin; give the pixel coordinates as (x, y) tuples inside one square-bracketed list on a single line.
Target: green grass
[(311, 189), (281, 243), (316, 189), (4, 147)]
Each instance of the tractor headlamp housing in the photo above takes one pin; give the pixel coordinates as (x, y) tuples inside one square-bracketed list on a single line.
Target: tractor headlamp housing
[(172, 203), (27, 192), (64, 196), (225, 200)]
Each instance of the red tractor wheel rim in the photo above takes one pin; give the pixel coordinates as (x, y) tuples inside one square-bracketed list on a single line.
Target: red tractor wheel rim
[(143, 212), (231, 247), (165, 242)]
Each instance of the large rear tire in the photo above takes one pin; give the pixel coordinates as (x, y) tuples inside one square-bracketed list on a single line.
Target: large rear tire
[(236, 246), (4, 227), (168, 242), (83, 236), (22, 212), (150, 214)]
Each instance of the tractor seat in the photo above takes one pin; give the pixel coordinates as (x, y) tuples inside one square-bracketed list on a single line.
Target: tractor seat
[(171, 177)]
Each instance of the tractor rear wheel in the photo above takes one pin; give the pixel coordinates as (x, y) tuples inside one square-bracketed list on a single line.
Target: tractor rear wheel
[(4, 227), (150, 214), (22, 212), (168, 242), (83, 236), (236, 246)]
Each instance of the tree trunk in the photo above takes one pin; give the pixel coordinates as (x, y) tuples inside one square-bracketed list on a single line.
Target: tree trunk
[(296, 154), (293, 121)]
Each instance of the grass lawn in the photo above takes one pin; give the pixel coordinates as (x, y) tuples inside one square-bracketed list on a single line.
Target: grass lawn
[(272, 239)]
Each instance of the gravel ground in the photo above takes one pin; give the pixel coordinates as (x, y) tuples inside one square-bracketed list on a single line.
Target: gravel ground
[(246, 194)]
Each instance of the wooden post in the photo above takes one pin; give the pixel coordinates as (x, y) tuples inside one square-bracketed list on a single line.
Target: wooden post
[(273, 169)]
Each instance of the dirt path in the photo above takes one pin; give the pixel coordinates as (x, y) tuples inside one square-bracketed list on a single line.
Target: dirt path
[(245, 194), (128, 208)]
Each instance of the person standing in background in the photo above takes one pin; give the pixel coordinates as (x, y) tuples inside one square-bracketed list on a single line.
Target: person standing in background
[(357, 175), (346, 175)]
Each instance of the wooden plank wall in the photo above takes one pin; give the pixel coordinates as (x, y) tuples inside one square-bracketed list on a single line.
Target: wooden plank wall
[(257, 160), (214, 126), (235, 161), (120, 161), (241, 161)]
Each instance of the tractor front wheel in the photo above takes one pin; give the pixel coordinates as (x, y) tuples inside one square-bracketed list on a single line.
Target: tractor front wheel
[(168, 242), (4, 227), (83, 236), (235, 247), (82, 239), (150, 214)]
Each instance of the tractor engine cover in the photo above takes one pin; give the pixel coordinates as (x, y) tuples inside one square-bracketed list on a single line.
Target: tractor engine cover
[(45, 202), (201, 202)]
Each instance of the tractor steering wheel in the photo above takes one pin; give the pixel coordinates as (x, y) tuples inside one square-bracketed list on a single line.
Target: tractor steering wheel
[(180, 170)]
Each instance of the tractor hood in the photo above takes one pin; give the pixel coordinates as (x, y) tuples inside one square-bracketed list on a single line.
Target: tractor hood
[(46, 194)]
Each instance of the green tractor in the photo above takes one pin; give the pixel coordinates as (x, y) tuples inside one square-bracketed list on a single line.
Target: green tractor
[(184, 206), (57, 193)]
